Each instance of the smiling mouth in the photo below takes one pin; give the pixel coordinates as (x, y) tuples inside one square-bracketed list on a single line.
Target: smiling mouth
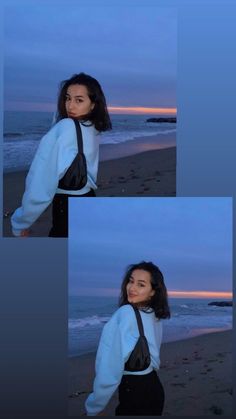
[(132, 295)]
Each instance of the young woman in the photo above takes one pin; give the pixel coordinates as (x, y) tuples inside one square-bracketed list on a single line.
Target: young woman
[(80, 97), (140, 392)]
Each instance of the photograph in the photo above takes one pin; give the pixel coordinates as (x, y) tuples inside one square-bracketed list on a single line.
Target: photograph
[(150, 307), (89, 109), (131, 312)]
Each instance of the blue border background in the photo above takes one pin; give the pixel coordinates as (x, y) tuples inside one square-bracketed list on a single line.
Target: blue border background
[(33, 296)]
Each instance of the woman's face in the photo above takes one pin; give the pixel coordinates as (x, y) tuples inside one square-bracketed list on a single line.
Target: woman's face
[(139, 288), (78, 102)]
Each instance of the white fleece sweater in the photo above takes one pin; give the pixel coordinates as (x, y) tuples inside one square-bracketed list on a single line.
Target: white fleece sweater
[(117, 341), (55, 153)]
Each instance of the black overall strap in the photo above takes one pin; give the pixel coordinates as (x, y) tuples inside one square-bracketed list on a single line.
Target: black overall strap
[(139, 320), (79, 136)]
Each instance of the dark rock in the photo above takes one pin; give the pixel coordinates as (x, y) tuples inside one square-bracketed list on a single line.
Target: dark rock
[(221, 303), (171, 119)]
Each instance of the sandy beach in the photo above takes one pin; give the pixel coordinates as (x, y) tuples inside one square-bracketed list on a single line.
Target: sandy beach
[(150, 173), (147, 173), (196, 374)]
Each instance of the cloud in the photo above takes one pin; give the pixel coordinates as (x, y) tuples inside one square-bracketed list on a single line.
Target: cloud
[(189, 238), (131, 50)]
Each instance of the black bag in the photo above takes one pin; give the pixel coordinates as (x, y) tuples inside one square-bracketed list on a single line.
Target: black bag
[(75, 177), (139, 359)]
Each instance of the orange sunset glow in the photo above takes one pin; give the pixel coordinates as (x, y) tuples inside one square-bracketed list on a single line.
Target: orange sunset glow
[(141, 110), (200, 294)]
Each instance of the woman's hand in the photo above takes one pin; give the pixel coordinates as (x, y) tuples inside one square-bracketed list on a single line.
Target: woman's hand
[(24, 233)]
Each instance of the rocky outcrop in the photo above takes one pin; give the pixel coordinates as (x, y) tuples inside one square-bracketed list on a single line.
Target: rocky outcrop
[(172, 120), (221, 303)]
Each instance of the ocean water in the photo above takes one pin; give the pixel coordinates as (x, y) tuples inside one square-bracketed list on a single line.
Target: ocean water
[(23, 131), (189, 317)]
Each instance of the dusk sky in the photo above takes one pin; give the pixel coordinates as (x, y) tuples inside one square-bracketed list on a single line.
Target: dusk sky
[(190, 239), (131, 49)]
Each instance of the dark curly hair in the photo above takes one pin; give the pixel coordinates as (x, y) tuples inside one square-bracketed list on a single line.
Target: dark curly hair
[(159, 301), (99, 114)]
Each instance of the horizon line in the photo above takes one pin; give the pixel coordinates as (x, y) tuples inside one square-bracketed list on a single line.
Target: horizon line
[(50, 107), (172, 294), (202, 294), (142, 110)]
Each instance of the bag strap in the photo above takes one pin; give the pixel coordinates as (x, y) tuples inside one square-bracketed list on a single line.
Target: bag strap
[(139, 320), (79, 137)]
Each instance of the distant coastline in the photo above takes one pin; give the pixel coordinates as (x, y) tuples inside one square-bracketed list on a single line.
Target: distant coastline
[(171, 120), (221, 303)]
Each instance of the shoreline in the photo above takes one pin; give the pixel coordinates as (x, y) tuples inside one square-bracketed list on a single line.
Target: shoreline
[(124, 149), (196, 374), (150, 173), (137, 145), (195, 334)]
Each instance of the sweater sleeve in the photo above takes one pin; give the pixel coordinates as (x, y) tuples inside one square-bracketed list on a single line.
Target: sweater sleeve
[(49, 164), (117, 341)]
